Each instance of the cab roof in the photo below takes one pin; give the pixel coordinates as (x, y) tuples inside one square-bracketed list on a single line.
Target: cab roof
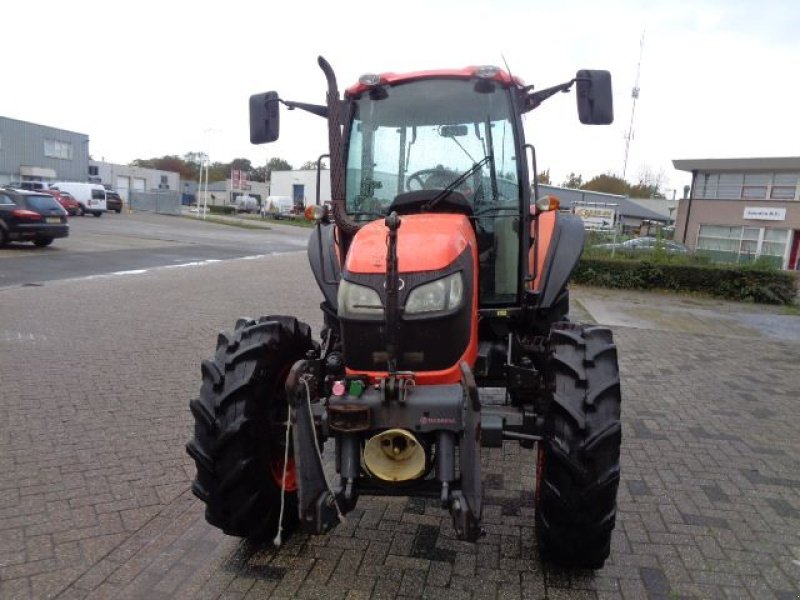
[(501, 76)]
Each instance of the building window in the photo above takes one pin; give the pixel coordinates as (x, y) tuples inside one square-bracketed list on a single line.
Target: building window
[(784, 186), (93, 170), (747, 186), (163, 179), (754, 192), (742, 244), (56, 149)]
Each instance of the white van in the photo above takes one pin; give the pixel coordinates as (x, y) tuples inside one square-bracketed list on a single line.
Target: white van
[(246, 204), (278, 207), (91, 197)]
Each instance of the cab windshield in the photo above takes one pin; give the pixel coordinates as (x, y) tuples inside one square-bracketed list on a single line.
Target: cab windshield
[(442, 134), (425, 135)]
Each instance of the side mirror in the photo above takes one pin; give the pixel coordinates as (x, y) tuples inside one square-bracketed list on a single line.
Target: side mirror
[(264, 118), (595, 104)]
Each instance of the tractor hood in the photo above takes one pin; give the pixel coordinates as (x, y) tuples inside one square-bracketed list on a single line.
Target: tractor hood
[(425, 242)]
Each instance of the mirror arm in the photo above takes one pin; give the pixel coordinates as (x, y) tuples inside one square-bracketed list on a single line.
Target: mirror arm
[(534, 99), (317, 109)]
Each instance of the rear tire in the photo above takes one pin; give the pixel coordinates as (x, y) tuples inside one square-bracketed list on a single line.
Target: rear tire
[(81, 211), (579, 458), (240, 424), (42, 242), (3, 237), (97, 213)]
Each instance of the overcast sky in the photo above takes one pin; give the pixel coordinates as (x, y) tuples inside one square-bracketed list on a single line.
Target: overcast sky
[(145, 79)]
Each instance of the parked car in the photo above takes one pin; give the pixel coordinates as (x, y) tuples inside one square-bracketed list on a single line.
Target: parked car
[(36, 186), (113, 201), (91, 197), (65, 199), (31, 216), (645, 244)]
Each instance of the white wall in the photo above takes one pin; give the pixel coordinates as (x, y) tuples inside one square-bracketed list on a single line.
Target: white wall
[(138, 177), (283, 181)]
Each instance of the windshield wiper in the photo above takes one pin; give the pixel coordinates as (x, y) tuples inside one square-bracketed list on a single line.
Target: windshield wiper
[(496, 209), (455, 183)]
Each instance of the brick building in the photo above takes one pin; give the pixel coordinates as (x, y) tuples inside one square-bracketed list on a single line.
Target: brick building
[(742, 209)]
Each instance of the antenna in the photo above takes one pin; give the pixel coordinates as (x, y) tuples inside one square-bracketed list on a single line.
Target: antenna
[(635, 96), (507, 67)]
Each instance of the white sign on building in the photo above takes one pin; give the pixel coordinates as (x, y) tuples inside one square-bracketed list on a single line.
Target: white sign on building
[(764, 213)]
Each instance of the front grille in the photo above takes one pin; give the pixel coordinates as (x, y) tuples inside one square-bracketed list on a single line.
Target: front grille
[(430, 343)]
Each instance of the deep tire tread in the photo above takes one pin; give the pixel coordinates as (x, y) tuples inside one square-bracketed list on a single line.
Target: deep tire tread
[(576, 503), (240, 397)]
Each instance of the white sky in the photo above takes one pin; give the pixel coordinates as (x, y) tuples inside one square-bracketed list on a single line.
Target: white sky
[(145, 79)]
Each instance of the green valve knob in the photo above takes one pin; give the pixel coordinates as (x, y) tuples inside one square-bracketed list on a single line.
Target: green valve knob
[(356, 388)]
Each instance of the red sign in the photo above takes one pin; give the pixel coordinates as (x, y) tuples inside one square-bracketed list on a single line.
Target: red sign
[(239, 179)]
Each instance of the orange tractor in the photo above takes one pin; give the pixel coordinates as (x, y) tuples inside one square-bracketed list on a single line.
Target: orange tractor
[(441, 276)]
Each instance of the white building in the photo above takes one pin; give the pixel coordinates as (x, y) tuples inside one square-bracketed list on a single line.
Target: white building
[(125, 177), (222, 193), (301, 185)]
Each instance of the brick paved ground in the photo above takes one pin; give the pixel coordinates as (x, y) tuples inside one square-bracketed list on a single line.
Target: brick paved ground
[(95, 379)]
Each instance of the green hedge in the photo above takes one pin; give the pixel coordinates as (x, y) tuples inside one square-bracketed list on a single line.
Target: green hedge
[(751, 283), (222, 210)]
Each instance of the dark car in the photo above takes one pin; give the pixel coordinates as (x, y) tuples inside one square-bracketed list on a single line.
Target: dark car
[(645, 244), (113, 201), (31, 217), (66, 200)]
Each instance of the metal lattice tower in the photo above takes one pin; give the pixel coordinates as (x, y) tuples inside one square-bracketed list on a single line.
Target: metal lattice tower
[(635, 96)]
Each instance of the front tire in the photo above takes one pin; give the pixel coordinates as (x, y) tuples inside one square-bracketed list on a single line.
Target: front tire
[(240, 424), (579, 458), (97, 213)]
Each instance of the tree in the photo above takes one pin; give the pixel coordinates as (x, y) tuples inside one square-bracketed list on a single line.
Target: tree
[(544, 177), (218, 171), (169, 162), (573, 181), (259, 174), (649, 185), (607, 183), (276, 164), (242, 164), (311, 165)]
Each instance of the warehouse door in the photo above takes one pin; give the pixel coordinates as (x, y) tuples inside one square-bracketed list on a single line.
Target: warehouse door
[(123, 185), (299, 196)]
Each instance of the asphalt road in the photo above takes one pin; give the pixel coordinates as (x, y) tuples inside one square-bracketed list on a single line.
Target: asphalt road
[(95, 380), (129, 242)]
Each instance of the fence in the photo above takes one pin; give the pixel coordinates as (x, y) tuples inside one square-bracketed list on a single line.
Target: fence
[(165, 202)]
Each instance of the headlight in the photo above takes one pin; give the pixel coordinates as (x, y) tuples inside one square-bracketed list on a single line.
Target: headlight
[(358, 300), (436, 296)]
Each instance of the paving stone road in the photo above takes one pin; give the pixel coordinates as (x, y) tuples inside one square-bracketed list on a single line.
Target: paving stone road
[(95, 379)]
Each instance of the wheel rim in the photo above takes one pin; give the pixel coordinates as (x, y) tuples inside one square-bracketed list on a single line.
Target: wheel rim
[(287, 482)]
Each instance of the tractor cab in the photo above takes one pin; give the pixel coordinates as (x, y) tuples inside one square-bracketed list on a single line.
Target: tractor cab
[(438, 142)]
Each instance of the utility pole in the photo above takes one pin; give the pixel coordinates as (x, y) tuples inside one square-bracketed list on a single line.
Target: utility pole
[(635, 96)]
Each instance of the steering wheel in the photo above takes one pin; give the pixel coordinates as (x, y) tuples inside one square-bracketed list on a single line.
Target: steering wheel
[(430, 178)]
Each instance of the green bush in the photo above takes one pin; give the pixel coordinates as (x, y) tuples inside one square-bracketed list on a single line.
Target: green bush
[(751, 282), (222, 210)]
